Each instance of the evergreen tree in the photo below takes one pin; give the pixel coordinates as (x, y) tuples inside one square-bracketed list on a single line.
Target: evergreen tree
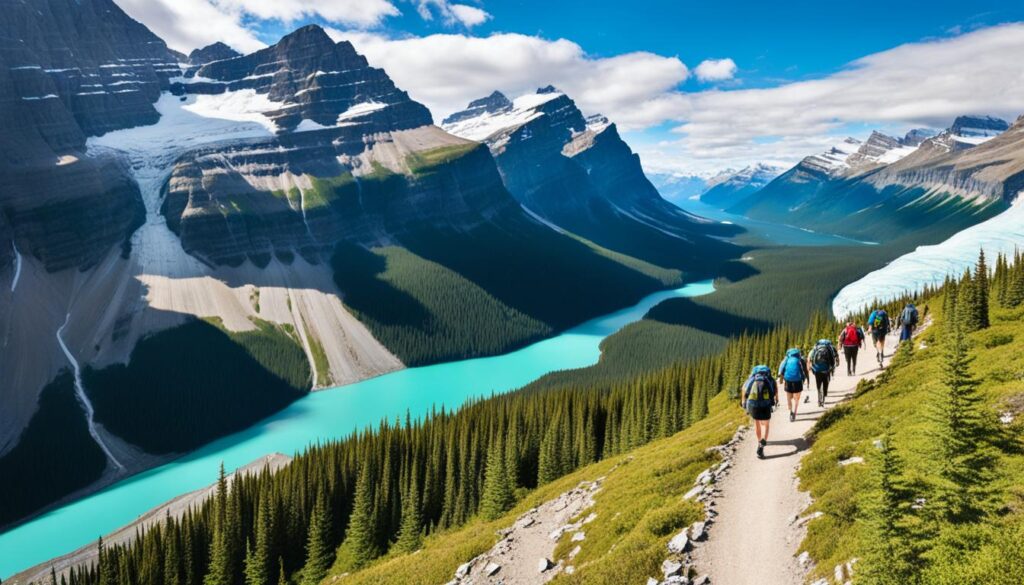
[(221, 569), (980, 303), (360, 545), (497, 496), (318, 544), (410, 535), (257, 556), (890, 558), (282, 578), (959, 433)]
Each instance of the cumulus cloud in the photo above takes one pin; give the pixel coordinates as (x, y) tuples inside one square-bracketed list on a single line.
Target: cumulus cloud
[(715, 70), (451, 14), (446, 71)]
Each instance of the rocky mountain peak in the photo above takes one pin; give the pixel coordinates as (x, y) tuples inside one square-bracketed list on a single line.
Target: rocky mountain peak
[(980, 126), (548, 89), (917, 135), (216, 52), (492, 104)]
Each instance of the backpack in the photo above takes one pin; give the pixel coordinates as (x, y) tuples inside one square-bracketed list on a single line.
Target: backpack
[(880, 320), (822, 358), (760, 390), (909, 316), (792, 368), (851, 336)]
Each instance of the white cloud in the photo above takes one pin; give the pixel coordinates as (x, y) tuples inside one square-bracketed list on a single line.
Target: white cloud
[(715, 70), (187, 24), (359, 13), (469, 16), (446, 71), (452, 14)]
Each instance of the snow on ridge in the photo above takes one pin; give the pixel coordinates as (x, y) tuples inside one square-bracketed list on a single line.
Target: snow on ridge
[(307, 125), (931, 264), (487, 124), (359, 110)]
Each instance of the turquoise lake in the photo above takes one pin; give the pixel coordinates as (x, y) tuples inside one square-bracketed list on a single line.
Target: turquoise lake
[(321, 416)]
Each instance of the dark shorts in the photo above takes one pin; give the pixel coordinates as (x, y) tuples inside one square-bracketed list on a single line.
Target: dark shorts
[(878, 335), (794, 387), (760, 413)]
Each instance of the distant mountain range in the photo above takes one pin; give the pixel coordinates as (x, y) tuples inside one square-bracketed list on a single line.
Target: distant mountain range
[(886, 188)]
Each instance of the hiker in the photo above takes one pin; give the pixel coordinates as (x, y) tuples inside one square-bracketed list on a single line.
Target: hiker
[(852, 339), (878, 327), (759, 398), (907, 322), (824, 359), (793, 376)]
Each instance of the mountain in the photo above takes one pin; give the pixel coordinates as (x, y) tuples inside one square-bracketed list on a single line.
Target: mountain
[(887, 188), (214, 52), (277, 222), (735, 186), (577, 173), (677, 187)]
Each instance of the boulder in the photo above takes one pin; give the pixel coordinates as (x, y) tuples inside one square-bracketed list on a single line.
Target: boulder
[(698, 531), (671, 567), (543, 565), (679, 543), (491, 568)]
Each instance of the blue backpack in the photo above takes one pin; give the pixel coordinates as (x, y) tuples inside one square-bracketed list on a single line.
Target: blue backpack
[(823, 357), (792, 368)]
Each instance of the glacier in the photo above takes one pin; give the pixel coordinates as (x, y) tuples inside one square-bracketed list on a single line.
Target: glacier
[(930, 264)]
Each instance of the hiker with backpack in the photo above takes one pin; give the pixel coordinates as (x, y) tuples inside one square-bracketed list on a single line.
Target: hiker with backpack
[(852, 339), (759, 398), (878, 327), (793, 375), (824, 359), (907, 322)]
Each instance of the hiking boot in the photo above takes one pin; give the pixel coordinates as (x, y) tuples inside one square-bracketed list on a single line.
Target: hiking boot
[(792, 416), (760, 451)]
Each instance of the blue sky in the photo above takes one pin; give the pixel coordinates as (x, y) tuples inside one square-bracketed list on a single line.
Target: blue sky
[(794, 77)]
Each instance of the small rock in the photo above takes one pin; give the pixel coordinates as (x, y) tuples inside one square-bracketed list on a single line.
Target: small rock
[(526, 522), (808, 518), (570, 570), (820, 582), (463, 570), (698, 530), (1006, 417), (590, 518), (670, 567), (803, 559), (694, 492), (543, 565), (851, 461), (676, 580), (839, 573), (704, 477), (679, 543), (491, 568), (575, 551), (579, 537), (702, 580), (652, 581)]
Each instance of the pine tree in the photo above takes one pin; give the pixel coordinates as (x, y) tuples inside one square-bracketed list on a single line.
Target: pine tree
[(497, 495), (257, 556), (318, 543), (221, 569), (360, 545), (282, 578), (549, 463), (890, 558), (960, 435), (410, 535), (981, 293)]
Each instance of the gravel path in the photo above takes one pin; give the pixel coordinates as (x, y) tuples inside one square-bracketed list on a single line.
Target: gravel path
[(759, 524)]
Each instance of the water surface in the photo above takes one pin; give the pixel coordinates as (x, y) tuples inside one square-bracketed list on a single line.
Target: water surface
[(321, 416)]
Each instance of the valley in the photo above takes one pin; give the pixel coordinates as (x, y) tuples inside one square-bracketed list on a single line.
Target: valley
[(300, 307)]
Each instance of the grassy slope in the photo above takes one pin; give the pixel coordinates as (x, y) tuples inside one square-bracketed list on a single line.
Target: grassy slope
[(201, 382), (897, 405), (638, 509)]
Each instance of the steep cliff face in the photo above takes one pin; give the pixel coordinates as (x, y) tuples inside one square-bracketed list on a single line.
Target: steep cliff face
[(70, 69), (579, 174)]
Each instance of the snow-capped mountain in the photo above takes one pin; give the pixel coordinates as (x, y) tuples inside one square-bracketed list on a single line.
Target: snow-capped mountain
[(728, 188), (887, 187), (576, 172), (676, 186)]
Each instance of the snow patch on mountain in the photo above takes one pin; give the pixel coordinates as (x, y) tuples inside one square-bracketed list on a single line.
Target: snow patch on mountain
[(487, 123), (836, 159), (931, 264)]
